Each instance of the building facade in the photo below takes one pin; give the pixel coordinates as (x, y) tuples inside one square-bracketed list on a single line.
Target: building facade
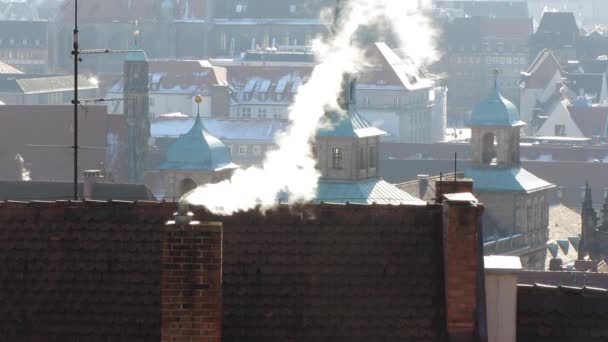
[(472, 47)]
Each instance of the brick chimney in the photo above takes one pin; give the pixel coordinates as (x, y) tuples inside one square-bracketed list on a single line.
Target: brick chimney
[(463, 264), (450, 186), (91, 177), (191, 280)]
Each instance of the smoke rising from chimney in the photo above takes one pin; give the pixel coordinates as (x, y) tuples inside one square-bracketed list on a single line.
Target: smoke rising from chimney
[(291, 169)]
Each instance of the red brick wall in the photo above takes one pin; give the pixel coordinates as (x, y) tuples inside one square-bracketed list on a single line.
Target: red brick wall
[(461, 260), (191, 283)]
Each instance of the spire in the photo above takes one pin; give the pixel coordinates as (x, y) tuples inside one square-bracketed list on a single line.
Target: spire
[(605, 212), (589, 225)]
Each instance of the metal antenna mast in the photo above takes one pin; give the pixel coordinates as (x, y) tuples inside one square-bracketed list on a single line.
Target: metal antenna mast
[(76, 52)]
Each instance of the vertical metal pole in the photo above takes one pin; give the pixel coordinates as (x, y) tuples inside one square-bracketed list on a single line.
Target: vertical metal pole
[(455, 165), (75, 52)]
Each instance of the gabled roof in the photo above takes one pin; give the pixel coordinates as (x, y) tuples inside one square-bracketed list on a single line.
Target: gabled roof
[(8, 69), (198, 150), (367, 191), (389, 69), (53, 84), (505, 180), (558, 22), (541, 70), (495, 110), (592, 121)]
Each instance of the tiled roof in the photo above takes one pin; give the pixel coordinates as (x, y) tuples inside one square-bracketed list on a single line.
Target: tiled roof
[(511, 179), (360, 273), (563, 222), (561, 313), (592, 121), (80, 272), (568, 278), (499, 9), (366, 191)]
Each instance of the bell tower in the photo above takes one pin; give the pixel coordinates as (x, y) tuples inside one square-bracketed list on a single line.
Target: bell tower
[(495, 131)]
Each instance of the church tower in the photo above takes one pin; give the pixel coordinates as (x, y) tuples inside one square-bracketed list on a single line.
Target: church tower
[(495, 131), (136, 112), (346, 150)]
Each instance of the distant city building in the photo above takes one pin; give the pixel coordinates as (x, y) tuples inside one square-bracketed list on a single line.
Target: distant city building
[(399, 98), (484, 8), (563, 101), (263, 83), (472, 47), (559, 32), (516, 216), (25, 44), (189, 29), (173, 85)]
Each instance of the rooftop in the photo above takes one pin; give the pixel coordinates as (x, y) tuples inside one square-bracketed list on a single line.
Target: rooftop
[(365, 192), (510, 180), (495, 110)]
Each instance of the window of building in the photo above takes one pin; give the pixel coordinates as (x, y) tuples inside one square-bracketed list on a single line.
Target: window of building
[(257, 150), (262, 113), (362, 159), (337, 158), (12, 42), (246, 112), (372, 157), (488, 153), (293, 9), (37, 42), (151, 101), (242, 150), (24, 42), (560, 130)]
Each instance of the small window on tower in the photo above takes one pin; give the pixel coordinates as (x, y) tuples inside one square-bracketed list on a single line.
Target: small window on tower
[(362, 159), (337, 158), (372, 157)]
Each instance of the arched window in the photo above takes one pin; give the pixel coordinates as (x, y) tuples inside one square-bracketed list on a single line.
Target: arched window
[(488, 154), (185, 186)]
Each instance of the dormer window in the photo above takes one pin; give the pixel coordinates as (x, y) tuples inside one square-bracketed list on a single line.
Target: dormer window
[(337, 158), (241, 8)]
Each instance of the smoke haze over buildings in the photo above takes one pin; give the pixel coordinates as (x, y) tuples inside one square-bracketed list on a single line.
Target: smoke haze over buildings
[(291, 169)]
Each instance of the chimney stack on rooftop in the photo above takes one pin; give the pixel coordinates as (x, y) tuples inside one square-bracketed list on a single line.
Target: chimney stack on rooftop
[(91, 177)]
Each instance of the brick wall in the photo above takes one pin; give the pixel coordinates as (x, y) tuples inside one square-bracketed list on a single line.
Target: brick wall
[(462, 254), (192, 283)]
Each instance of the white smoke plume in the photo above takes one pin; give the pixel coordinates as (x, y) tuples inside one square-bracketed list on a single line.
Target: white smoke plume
[(291, 168)]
